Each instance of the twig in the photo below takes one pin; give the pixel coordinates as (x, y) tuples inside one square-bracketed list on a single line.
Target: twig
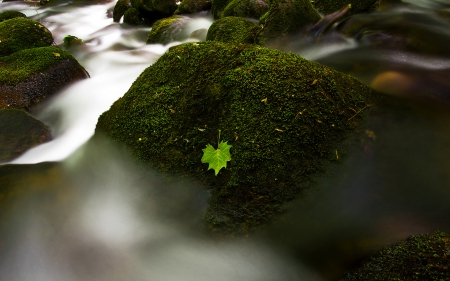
[(367, 106)]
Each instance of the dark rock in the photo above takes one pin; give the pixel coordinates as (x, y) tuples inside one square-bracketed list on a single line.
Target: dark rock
[(153, 10), (357, 6), (285, 117), (133, 17), (233, 30), (218, 6), (286, 17), (19, 132), (246, 8), (120, 8), (193, 6)]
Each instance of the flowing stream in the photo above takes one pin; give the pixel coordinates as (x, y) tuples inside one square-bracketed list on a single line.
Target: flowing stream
[(79, 210)]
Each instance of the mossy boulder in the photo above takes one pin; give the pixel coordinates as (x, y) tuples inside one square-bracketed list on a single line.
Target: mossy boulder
[(284, 18), (193, 6), (6, 15), (168, 30), (153, 10), (133, 17), (357, 6), (29, 76), (19, 132), (419, 257), (285, 117), (120, 8), (218, 6), (246, 8), (233, 30), (21, 33), (71, 41)]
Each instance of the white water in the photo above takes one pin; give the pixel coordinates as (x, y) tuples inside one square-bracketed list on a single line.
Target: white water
[(114, 58)]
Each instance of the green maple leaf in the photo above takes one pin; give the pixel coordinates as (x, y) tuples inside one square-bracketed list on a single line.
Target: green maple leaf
[(217, 159)]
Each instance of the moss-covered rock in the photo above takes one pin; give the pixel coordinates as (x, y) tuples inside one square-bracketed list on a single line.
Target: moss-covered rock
[(133, 17), (21, 33), (70, 41), (120, 8), (357, 6), (19, 132), (153, 10), (286, 17), (168, 30), (218, 6), (419, 257), (246, 8), (193, 6), (233, 30), (29, 76), (6, 15), (285, 117)]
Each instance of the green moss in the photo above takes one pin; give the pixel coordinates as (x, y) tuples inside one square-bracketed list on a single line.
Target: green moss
[(10, 15), (20, 33), (132, 16), (120, 8), (286, 17), (19, 132), (193, 6), (218, 6), (153, 10), (168, 30), (420, 257), (246, 8), (20, 65), (233, 30), (357, 6), (286, 118), (70, 40)]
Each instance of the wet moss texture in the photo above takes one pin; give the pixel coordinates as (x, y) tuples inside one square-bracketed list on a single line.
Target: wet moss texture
[(420, 257), (168, 30), (286, 17), (120, 8), (233, 30), (30, 75), (246, 8), (21, 33), (285, 117), (6, 15)]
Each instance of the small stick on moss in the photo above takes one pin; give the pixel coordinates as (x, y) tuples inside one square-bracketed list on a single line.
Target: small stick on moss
[(367, 106)]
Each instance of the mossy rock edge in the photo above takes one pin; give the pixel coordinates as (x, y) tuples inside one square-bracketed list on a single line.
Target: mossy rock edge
[(419, 257), (31, 75), (285, 117), (233, 30), (21, 33)]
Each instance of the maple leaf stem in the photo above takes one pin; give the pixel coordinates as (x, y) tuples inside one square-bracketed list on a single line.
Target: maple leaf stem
[(218, 141)]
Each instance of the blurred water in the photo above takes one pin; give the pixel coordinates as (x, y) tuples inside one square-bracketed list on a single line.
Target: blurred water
[(95, 214), (114, 56)]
